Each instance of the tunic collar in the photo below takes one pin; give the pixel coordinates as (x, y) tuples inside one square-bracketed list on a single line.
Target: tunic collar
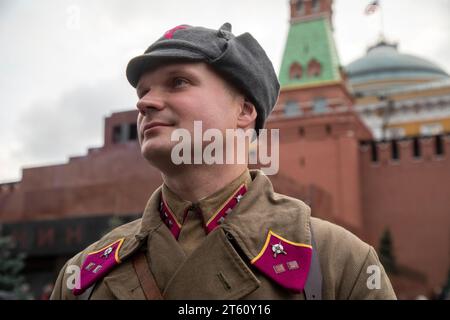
[(212, 208)]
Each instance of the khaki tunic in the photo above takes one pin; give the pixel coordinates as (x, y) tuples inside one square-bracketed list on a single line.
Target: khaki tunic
[(219, 268)]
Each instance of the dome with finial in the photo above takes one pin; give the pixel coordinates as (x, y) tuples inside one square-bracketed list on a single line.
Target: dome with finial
[(384, 66)]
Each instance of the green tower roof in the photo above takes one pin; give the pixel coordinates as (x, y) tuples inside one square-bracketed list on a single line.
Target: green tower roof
[(308, 40)]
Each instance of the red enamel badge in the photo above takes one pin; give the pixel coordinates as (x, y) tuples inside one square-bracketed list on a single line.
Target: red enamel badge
[(169, 34), (97, 264), (169, 219), (284, 261)]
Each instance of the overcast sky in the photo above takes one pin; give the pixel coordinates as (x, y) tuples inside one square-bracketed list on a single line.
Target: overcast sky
[(62, 63)]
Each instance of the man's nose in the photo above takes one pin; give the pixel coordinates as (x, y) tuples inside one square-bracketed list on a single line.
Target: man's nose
[(150, 101)]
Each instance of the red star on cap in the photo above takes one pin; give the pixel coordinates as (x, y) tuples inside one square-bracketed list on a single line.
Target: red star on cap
[(169, 33)]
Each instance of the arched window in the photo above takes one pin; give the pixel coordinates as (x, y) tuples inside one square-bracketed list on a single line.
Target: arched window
[(292, 108), (300, 6), (314, 68), (315, 5), (320, 105), (295, 71)]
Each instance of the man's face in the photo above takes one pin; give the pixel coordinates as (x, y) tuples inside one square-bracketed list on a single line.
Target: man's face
[(174, 96)]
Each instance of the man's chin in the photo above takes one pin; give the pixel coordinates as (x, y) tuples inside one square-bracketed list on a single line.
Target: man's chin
[(156, 153)]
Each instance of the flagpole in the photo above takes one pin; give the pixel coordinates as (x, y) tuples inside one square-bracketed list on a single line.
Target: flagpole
[(381, 21)]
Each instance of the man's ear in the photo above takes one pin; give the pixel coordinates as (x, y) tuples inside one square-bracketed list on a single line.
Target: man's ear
[(247, 115)]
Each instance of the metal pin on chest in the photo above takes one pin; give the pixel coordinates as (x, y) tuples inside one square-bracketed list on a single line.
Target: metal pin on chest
[(107, 252), (278, 249)]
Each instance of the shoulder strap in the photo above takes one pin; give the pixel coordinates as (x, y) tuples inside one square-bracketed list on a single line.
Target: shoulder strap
[(313, 286), (148, 284)]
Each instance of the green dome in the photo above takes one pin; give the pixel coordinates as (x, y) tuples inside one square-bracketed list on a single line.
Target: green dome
[(384, 62)]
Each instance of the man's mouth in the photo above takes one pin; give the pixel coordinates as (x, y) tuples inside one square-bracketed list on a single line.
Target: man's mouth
[(153, 125)]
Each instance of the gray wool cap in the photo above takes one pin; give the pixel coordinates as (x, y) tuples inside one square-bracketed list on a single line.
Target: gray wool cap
[(239, 59)]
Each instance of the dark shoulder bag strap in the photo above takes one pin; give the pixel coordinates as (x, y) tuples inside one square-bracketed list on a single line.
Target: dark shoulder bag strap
[(146, 279), (313, 286)]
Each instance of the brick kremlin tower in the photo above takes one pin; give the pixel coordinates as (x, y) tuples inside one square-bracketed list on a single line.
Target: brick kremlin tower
[(315, 105)]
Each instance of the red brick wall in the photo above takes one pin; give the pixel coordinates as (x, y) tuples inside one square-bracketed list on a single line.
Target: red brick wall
[(321, 153), (411, 197)]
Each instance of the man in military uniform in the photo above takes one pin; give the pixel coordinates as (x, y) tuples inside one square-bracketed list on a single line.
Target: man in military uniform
[(216, 231)]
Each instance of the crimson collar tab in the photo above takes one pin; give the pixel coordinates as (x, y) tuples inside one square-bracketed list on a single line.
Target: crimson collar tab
[(170, 220)]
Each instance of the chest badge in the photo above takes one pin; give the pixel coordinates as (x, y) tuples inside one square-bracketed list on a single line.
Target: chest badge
[(107, 252), (278, 249)]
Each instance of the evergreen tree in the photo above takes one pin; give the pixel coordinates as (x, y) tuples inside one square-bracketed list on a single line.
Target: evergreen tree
[(445, 293), (386, 252), (11, 266)]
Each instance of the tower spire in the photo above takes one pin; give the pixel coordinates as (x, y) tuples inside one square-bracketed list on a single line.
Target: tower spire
[(302, 10), (310, 55)]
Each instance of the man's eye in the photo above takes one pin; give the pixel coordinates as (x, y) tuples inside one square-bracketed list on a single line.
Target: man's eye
[(179, 82)]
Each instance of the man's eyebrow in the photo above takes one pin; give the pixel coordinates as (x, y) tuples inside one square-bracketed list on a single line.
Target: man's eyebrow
[(181, 70), (171, 72)]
